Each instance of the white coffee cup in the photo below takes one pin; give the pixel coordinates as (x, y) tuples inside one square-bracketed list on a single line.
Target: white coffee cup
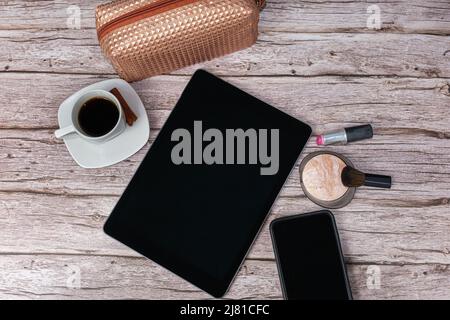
[(75, 128)]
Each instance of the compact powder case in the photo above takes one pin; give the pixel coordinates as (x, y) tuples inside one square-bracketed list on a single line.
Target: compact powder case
[(320, 178)]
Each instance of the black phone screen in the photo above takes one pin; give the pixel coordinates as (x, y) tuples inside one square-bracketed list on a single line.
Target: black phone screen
[(309, 257)]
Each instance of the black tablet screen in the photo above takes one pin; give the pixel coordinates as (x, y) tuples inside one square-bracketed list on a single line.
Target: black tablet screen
[(202, 192)]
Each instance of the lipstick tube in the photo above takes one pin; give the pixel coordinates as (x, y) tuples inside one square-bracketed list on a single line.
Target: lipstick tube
[(345, 135)]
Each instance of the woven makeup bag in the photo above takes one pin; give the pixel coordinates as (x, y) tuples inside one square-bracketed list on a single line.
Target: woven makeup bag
[(143, 38)]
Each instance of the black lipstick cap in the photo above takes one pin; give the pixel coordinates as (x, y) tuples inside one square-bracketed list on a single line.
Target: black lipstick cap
[(359, 133)]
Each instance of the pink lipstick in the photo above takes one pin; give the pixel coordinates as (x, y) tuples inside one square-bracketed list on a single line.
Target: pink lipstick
[(345, 135)]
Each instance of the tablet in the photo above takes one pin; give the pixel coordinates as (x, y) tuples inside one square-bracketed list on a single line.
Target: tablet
[(203, 191)]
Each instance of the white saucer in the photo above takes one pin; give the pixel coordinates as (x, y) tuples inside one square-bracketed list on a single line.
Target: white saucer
[(90, 155)]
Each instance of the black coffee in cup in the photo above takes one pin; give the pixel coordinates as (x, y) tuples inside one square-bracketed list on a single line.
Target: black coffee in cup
[(98, 116)]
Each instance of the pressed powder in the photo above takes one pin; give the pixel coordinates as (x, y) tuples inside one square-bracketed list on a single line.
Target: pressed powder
[(320, 176)]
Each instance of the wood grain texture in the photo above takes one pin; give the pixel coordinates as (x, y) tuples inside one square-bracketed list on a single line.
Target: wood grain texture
[(282, 54), (297, 37), (315, 60), (403, 16), (87, 277)]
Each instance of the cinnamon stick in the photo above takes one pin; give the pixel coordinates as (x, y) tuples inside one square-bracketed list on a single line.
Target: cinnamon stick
[(130, 116)]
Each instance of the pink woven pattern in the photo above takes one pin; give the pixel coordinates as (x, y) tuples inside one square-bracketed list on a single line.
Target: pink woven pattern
[(177, 38)]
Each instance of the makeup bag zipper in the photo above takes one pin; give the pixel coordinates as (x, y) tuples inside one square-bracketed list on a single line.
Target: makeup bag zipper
[(146, 11)]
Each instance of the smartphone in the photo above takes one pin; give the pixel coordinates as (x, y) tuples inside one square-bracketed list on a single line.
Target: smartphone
[(309, 257)]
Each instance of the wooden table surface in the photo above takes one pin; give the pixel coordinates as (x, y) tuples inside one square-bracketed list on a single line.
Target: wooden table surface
[(316, 60)]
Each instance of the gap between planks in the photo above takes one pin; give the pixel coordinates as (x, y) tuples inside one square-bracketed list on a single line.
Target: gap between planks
[(102, 75), (347, 258)]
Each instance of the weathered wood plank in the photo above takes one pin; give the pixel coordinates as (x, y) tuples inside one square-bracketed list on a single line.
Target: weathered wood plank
[(431, 17), (290, 42), (417, 163), (324, 102), (372, 229), (88, 277), (284, 54), (401, 282)]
